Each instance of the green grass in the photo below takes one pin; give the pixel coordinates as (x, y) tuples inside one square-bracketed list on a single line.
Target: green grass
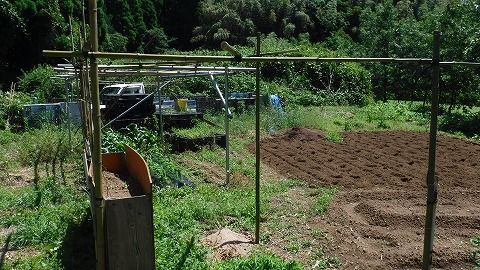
[(43, 261), (476, 254), (201, 129), (41, 216), (333, 120), (323, 198), (259, 261), (184, 213)]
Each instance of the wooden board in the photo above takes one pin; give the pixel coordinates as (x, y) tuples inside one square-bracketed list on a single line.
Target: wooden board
[(130, 233)]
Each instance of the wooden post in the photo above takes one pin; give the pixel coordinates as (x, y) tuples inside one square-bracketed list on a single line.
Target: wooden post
[(96, 144), (257, 146), (431, 178)]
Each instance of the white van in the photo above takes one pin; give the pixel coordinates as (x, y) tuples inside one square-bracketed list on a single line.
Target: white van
[(123, 89)]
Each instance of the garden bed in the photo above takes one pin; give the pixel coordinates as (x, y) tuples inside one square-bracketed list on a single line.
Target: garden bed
[(181, 144), (193, 139), (376, 220)]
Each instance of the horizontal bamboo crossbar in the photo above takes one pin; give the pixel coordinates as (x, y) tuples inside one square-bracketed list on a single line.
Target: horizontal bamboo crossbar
[(151, 66), (249, 59)]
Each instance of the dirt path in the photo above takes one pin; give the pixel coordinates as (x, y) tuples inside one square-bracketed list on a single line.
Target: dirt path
[(376, 219)]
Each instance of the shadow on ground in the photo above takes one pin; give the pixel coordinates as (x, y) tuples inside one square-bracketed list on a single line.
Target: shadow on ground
[(4, 250), (78, 247)]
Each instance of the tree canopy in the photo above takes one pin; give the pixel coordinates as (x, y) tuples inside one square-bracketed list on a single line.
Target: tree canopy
[(397, 28)]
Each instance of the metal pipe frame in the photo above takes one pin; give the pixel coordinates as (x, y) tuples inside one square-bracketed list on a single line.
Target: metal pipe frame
[(219, 92)]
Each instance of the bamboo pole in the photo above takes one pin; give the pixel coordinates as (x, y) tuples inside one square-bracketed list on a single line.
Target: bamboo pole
[(160, 112), (257, 146), (83, 106), (227, 47), (456, 63), (246, 59), (152, 73), (431, 178), (88, 104), (96, 144), (71, 31), (227, 132), (160, 67), (251, 59)]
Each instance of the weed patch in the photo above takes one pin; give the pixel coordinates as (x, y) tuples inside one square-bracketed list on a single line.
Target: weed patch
[(259, 261), (476, 254), (184, 213), (324, 197), (201, 129)]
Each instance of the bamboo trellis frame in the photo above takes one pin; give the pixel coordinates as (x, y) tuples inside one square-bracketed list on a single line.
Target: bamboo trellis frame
[(95, 126)]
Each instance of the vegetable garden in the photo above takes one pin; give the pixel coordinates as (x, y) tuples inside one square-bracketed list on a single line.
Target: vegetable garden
[(322, 187)]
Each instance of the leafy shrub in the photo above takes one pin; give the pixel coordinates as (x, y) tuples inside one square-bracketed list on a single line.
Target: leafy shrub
[(149, 145), (384, 112), (297, 83), (314, 83), (39, 83), (115, 42), (49, 146), (155, 41), (321, 83), (467, 122), (11, 110)]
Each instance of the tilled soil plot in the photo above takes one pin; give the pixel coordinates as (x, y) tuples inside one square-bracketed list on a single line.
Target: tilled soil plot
[(377, 218)]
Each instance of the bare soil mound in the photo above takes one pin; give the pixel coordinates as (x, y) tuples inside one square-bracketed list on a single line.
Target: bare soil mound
[(377, 218), (228, 244)]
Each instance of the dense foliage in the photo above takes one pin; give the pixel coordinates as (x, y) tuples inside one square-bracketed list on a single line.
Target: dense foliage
[(345, 27), (149, 145)]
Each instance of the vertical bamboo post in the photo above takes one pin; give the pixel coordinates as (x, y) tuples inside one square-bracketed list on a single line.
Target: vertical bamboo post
[(160, 116), (257, 145), (96, 149), (431, 178), (67, 109), (227, 132), (83, 109), (88, 103), (71, 31)]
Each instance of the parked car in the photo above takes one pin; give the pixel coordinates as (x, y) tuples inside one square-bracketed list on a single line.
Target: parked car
[(122, 89)]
